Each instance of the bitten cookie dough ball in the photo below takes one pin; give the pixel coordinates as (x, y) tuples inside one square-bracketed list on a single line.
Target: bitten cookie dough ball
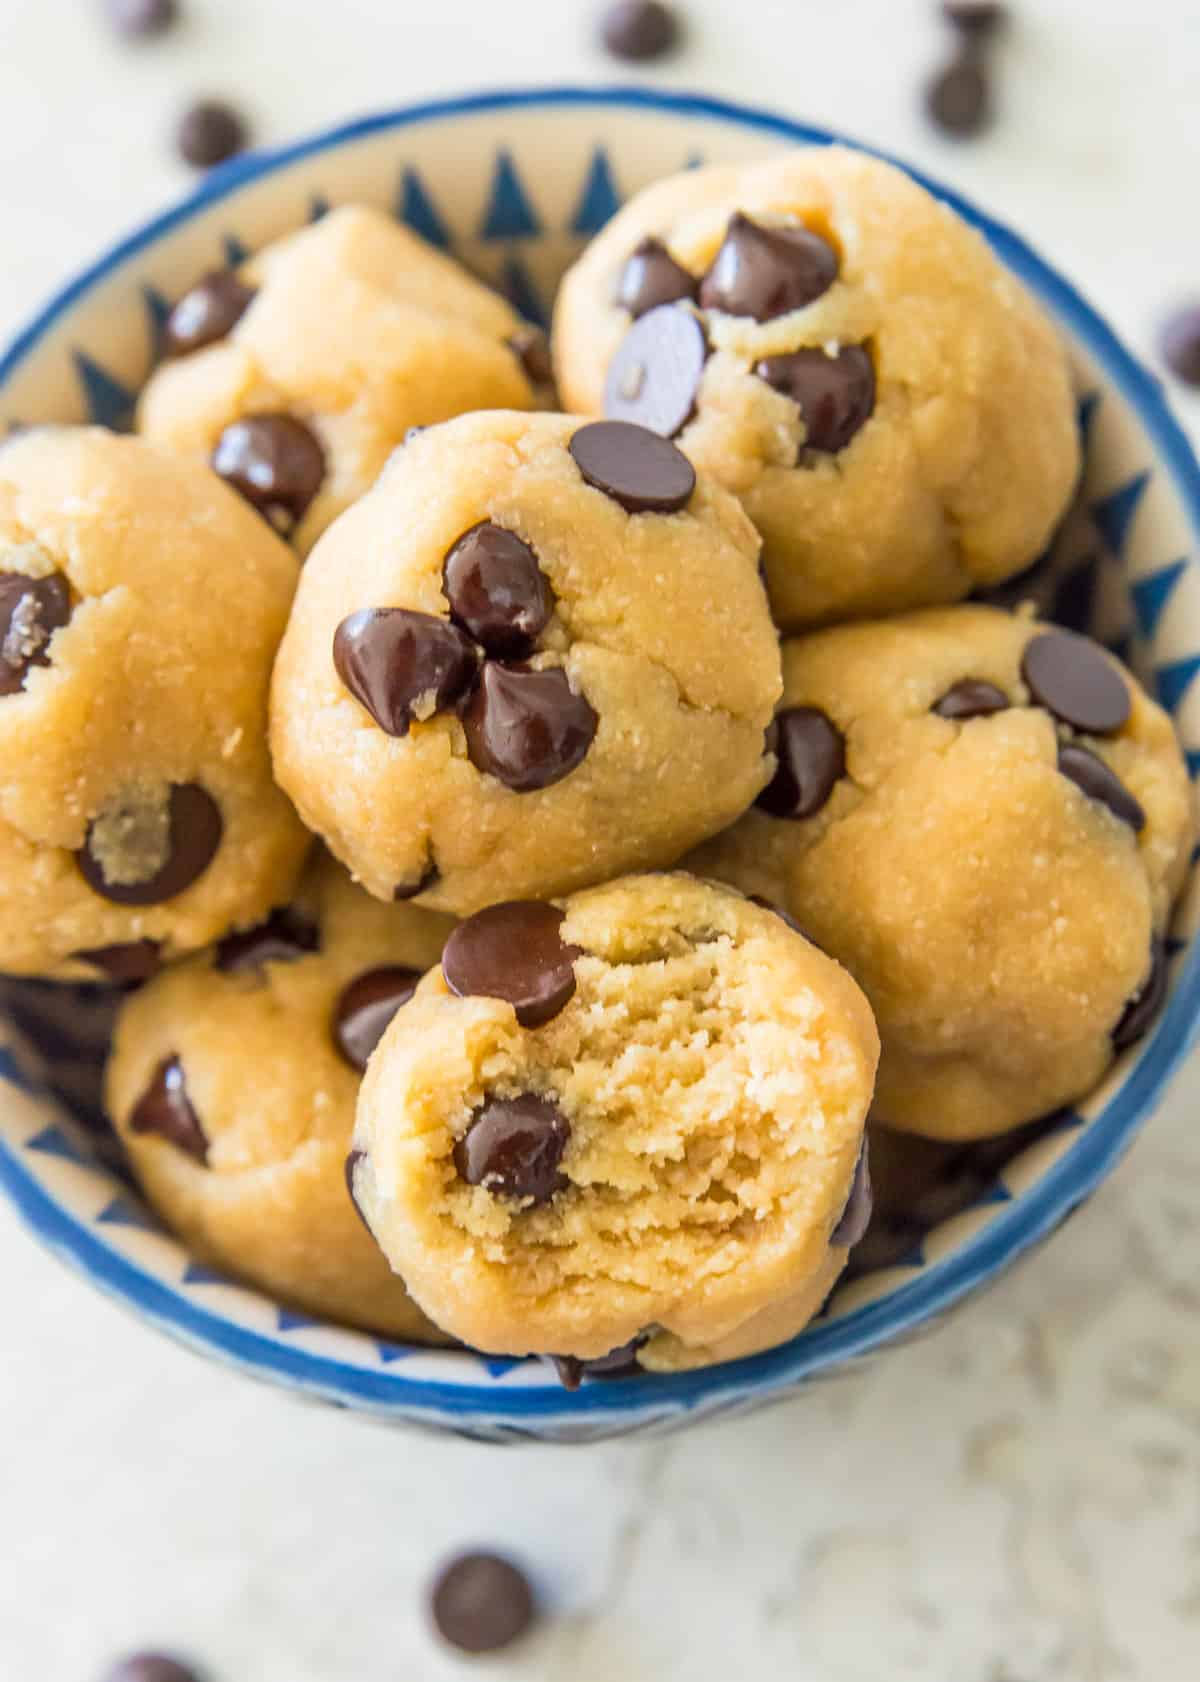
[(986, 821), (536, 655), (634, 1121), (842, 351), (141, 604), (297, 374), (233, 1081)]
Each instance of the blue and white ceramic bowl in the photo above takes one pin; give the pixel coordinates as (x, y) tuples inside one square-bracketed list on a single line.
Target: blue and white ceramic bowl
[(514, 183)]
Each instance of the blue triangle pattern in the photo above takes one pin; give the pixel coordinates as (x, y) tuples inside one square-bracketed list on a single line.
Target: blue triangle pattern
[(158, 308), (1085, 414), (522, 294), (318, 206), (1150, 595), (14, 1074), (109, 403), (498, 1367), (52, 1141), (1114, 513), (599, 201), (913, 1258), (390, 1353), (1174, 681), (1174, 946), (235, 252), (416, 209), (197, 1274), (289, 1321), (997, 1193), (509, 214), (120, 1212)]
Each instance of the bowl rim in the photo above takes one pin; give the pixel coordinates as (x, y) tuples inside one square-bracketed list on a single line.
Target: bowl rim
[(1011, 1231)]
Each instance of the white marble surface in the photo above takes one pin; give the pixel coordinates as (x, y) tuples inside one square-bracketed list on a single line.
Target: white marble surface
[(1015, 1500)]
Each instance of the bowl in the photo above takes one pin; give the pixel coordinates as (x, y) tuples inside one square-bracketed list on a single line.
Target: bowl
[(514, 183)]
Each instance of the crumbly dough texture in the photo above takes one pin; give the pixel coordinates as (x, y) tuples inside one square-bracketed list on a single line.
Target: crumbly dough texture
[(715, 1070), (180, 595), (661, 622), (360, 330), (966, 465), (276, 1102), (997, 918)]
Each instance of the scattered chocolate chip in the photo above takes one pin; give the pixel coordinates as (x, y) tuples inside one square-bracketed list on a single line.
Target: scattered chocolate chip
[(835, 394), (151, 1667), (651, 277), (165, 1108), (210, 311), (785, 916), (959, 98), (410, 890), (402, 665), (812, 756), (515, 952), (209, 132), (618, 1363), (1146, 1003), (1070, 677), (497, 591), (531, 348), (639, 29), (191, 832), (528, 729), (656, 371), (972, 698), (513, 1147), (365, 1008), (646, 474), (352, 1162), (765, 272), (284, 936), (481, 1603), (1089, 773), (1180, 344), (138, 19), (976, 20), (31, 610), (133, 960), (275, 462), (855, 1218)]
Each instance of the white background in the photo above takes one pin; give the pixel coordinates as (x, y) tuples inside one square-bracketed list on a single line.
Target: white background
[(1015, 1500)]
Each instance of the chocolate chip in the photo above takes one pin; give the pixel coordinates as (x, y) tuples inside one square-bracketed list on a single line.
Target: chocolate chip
[(410, 890), (1089, 773), (646, 474), (1070, 677), (513, 1147), (618, 1363), (184, 846), (133, 960), (402, 665), (764, 272), (31, 610), (855, 1218), (975, 20), (639, 29), (275, 462), (972, 698), (652, 277), (209, 132), (365, 1008), (1180, 344), (282, 938), (1146, 1003), (513, 951), (352, 1162), (655, 374), (812, 756), (835, 394), (532, 350), (138, 19), (210, 311), (497, 591), (527, 729), (959, 98), (481, 1603), (151, 1667), (165, 1108)]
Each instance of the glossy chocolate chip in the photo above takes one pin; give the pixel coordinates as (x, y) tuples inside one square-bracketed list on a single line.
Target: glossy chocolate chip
[(275, 462), (513, 1148), (1070, 677), (410, 890), (959, 98), (646, 474), (209, 132), (402, 665), (151, 1667), (1179, 342), (497, 591), (528, 729), (281, 938), (765, 272), (834, 394), (207, 313), (130, 961), (855, 1218), (618, 1363), (192, 836), (531, 348), (165, 1108), (812, 756), (480, 1603), (656, 371), (513, 951), (352, 1162), (972, 698), (1089, 773), (1146, 1003), (639, 29), (366, 1007), (652, 277), (31, 610), (139, 19), (975, 20)]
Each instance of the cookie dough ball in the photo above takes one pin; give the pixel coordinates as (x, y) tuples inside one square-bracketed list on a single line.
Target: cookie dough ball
[(633, 1121), (141, 605), (986, 821), (847, 355), (233, 1081), (536, 655), (297, 374)]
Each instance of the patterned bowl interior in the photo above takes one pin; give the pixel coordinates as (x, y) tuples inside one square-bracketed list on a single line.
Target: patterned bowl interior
[(514, 184)]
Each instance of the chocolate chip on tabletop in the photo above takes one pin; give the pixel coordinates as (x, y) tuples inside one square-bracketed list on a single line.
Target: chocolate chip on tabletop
[(654, 376), (977, 21), (366, 1006), (139, 19), (209, 132), (1179, 342), (151, 1667), (763, 272), (480, 1603), (642, 472), (165, 1108), (811, 751), (150, 845), (402, 665), (513, 1147), (275, 462), (639, 29), (834, 394), (31, 610), (513, 951), (206, 313), (528, 729), (958, 99)]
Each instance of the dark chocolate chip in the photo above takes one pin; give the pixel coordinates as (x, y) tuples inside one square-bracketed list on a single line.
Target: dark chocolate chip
[(352, 1162), (165, 1108), (834, 394), (210, 311), (513, 1148), (812, 756), (527, 729), (481, 1603), (1089, 773), (618, 1363), (281, 938), (151, 1667), (1070, 677), (976, 20), (515, 952), (497, 591), (1180, 344), (972, 698), (764, 272), (31, 610), (194, 830), (366, 1007), (275, 462), (139, 19), (1146, 1003), (639, 29), (959, 98), (652, 277), (410, 890), (773, 906), (531, 348), (656, 371), (855, 1218), (646, 474), (402, 665), (133, 960), (209, 132)]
